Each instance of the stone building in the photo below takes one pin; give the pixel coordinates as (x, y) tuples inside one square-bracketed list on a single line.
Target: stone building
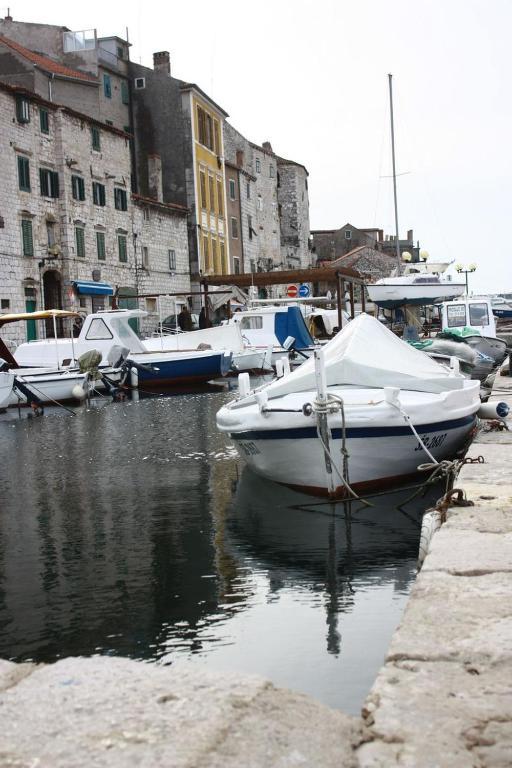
[(330, 244), (68, 227), (76, 69), (274, 205), (191, 164)]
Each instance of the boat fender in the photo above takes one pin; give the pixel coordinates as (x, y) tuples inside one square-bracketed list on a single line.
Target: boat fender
[(78, 392), (244, 384), (498, 410), (262, 400), (279, 368), (391, 395), (286, 365)]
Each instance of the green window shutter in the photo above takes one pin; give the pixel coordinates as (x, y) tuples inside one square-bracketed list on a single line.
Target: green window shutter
[(44, 121), (74, 187), (80, 241), (98, 193), (107, 86), (78, 188), (26, 234), (121, 241), (100, 245), (43, 182), (54, 184), (81, 188), (95, 138), (125, 94), (23, 173)]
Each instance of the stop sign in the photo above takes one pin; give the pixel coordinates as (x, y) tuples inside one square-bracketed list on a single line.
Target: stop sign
[(292, 291)]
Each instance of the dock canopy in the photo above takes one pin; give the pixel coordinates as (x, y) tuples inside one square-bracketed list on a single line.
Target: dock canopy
[(92, 288)]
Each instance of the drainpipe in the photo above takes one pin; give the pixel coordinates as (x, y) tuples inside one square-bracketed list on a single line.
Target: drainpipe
[(50, 81)]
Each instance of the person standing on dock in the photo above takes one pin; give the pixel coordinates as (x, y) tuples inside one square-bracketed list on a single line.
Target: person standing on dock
[(185, 319)]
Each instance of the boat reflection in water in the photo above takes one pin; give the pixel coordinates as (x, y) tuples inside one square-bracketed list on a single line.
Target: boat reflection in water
[(333, 577)]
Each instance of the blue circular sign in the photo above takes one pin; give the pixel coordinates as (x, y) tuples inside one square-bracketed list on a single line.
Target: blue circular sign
[(304, 291)]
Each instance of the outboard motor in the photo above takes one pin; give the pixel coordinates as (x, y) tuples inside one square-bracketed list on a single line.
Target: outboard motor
[(117, 355)]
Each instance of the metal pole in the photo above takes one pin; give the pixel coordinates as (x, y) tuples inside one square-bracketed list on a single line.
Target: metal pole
[(56, 342), (398, 258), (206, 307), (363, 298), (352, 308), (338, 300)]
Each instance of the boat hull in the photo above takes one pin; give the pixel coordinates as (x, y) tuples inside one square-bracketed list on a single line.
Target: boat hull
[(379, 457), (393, 296), (174, 369)]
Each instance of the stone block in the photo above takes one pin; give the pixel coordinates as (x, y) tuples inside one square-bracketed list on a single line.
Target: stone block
[(463, 618), (118, 712), (469, 552), (433, 713)]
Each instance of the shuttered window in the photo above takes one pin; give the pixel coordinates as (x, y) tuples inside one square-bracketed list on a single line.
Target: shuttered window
[(80, 241), (95, 138), (78, 188), (26, 236), (220, 198), (49, 182), (107, 86), (23, 173), (98, 193), (100, 245), (44, 120), (125, 94), (22, 109), (120, 200), (121, 245)]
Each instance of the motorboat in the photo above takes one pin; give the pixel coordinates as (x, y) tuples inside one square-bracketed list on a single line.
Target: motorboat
[(273, 326), (413, 289), (225, 338), (58, 381), (501, 308), (471, 320), (110, 329), (363, 414)]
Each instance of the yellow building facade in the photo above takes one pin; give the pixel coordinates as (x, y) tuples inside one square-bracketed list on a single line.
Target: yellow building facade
[(207, 121)]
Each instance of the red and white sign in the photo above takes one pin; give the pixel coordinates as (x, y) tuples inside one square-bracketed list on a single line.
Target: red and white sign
[(292, 291)]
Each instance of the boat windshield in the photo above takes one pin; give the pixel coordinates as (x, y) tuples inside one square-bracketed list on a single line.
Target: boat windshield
[(426, 279)]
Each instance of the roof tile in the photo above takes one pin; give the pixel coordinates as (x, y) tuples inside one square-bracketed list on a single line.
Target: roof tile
[(44, 62)]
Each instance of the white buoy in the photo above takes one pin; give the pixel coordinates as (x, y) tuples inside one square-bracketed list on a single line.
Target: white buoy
[(286, 366), (279, 368), (78, 392), (499, 410), (134, 377)]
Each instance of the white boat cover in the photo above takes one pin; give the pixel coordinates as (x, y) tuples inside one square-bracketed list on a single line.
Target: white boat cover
[(366, 354), (219, 337), (219, 296)]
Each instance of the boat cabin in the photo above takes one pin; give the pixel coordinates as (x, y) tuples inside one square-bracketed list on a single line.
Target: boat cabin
[(473, 313)]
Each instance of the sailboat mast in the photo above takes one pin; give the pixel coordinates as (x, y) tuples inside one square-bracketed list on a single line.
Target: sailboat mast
[(397, 241)]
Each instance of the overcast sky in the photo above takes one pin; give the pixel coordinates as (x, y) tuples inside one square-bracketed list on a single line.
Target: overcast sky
[(310, 76)]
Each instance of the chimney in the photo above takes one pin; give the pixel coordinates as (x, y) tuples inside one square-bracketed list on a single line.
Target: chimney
[(162, 62), (267, 146), (409, 235), (155, 187), (240, 158)]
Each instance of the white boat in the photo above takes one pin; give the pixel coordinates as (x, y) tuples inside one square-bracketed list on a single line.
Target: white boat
[(413, 289), (378, 410), (6, 385), (265, 327), (225, 338), (501, 307), (59, 380), (109, 329)]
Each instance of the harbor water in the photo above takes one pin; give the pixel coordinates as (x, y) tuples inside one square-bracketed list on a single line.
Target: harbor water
[(132, 529)]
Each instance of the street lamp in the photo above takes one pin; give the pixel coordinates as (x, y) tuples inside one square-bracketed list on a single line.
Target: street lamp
[(461, 269)]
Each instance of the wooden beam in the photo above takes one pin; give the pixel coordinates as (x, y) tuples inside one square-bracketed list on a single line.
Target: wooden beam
[(285, 277)]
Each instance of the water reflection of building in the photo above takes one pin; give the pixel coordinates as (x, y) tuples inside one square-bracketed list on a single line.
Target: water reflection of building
[(108, 542)]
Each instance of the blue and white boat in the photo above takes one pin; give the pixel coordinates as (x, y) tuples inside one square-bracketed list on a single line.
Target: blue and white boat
[(110, 329), (364, 419), (501, 307), (265, 327)]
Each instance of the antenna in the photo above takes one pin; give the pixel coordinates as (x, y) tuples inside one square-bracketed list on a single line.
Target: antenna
[(397, 240)]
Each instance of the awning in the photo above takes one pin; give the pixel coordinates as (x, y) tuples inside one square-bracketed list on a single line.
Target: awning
[(91, 288)]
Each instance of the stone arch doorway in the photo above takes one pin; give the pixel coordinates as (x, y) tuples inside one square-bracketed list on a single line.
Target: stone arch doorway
[(52, 289)]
